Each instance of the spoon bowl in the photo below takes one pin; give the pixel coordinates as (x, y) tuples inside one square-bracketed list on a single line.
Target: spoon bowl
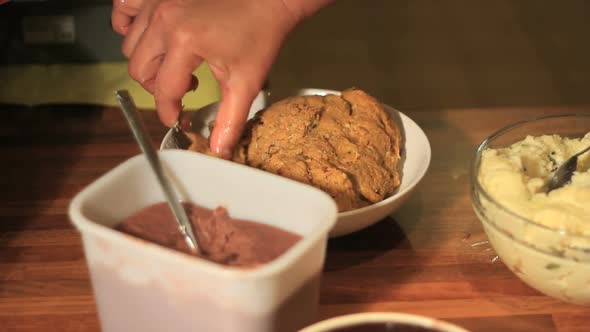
[(563, 175)]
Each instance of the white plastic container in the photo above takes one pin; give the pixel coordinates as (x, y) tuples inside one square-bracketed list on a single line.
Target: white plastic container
[(140, 286)]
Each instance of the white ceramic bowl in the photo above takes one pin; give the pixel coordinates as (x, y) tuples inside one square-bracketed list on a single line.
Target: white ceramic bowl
[(380, 322), (141, 286), (415, 161)]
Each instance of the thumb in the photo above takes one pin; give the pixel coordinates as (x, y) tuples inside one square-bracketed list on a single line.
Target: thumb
[(231, 117)]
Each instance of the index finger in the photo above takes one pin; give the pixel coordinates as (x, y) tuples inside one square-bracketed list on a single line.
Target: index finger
[(173, 80), (233, 111)]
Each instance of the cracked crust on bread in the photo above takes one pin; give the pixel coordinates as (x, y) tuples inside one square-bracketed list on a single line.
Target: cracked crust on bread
[(347, 146)]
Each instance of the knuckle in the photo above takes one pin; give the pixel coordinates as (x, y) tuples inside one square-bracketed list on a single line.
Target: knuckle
[(164, 11), (182, 35), (134, 71), (168, 14), (126, 50), (114, 25), (126, 5), (118, 28), (162, 90)]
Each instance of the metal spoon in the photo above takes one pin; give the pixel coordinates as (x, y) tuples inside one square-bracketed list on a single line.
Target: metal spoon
[(130, 111), (179, 138), (564, 173)]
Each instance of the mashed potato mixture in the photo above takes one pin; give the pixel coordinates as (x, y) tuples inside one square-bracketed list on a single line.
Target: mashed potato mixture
[(516, 177), (554, 259)]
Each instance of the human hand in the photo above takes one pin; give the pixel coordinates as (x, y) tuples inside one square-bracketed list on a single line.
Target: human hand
[(166, 40)]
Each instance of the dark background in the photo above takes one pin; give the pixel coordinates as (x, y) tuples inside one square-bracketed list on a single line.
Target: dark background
[(412, 54)]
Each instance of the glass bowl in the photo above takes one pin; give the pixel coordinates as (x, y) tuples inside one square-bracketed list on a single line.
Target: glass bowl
[(553, 261)]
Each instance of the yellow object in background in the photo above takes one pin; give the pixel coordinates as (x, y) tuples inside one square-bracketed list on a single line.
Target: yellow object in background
[(89, 84)]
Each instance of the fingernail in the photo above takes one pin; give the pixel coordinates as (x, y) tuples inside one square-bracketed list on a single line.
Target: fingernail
[(223, 152), (226, 154)]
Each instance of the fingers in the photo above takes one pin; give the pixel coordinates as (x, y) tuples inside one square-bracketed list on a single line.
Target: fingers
[(230, 120), (174, 79), (120, 22), (147, 58), (123, 13), (136, 30)]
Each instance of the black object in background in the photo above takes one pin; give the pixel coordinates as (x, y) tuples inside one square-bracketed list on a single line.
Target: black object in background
[(58, 31)]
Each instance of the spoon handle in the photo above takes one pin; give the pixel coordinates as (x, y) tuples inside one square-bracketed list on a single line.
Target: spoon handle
[(130, 112), (582, 152)]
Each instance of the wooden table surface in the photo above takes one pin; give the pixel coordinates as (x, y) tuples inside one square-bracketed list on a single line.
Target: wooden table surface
[(422, 260)]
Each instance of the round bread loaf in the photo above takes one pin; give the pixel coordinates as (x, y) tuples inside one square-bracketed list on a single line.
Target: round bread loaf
[(347, 146)]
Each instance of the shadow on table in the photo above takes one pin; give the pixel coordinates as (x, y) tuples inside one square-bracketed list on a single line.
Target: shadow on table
[(356, 248), (40, 147), (48, 154), (515, 323)]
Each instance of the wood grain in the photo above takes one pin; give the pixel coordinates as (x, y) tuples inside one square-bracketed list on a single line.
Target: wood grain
[(421, 260), (461, 69)]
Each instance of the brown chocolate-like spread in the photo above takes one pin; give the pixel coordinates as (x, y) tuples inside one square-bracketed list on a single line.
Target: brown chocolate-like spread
[(221, 239)]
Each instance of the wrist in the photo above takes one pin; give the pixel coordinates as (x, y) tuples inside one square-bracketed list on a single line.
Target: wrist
[(302, 9)]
